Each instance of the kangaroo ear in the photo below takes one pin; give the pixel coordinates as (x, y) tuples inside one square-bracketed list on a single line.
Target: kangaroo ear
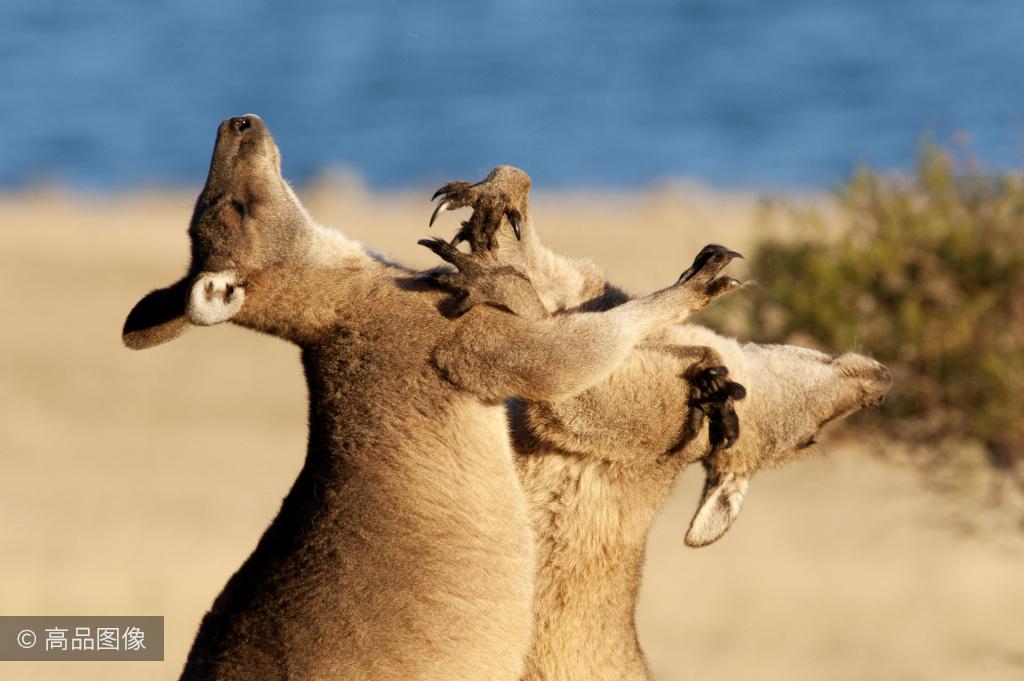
[(719, 506), (157, 318)]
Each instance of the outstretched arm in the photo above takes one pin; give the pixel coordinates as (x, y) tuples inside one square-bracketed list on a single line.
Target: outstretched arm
[(657, 402), (496, 354)]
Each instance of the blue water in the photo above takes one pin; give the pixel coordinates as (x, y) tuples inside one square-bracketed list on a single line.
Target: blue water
[(766, 93)]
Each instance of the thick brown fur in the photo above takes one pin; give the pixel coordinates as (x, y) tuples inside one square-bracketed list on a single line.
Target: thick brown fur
[(404, 548), (598, 466)]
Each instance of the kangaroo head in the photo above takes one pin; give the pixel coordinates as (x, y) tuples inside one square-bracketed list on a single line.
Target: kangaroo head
[(793, 393), (246, 219)]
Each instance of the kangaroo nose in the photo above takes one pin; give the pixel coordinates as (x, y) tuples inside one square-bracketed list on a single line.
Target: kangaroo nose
[(242, 123), (880, 382), (884, 375)]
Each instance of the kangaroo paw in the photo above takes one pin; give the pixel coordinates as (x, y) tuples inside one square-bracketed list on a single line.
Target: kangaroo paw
[(465, 263), (713, 394), (479, 281), (503, 194), (702, 276)]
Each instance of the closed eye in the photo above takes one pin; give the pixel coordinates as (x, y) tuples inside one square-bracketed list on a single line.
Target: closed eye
[(809, 442), (239, 207)]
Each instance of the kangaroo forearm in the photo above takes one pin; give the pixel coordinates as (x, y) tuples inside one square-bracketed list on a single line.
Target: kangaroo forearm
[(640, 408), (659, 310), (497, 355)]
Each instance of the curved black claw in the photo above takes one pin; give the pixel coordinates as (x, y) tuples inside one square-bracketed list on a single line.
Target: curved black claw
[(702, 276), (711, 260), (463, 262), (713, 394), (515, 219), (503, 194), (457, 190), (442, 249)]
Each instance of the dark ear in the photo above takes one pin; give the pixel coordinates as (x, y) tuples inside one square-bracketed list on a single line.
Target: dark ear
[(719, 506), (157, 318)]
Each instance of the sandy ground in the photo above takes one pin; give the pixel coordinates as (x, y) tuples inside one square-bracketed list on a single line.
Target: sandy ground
[(135, 483)]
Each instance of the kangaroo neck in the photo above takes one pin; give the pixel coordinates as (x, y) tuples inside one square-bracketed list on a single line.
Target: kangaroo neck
[(591, 519)]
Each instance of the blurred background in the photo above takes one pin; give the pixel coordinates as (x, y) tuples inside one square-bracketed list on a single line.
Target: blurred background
[(864, 155), (114, 93)]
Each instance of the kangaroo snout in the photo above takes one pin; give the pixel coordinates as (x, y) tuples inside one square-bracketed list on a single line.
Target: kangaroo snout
[(237, 129), (240, 125), (879, 380), (875, 378)]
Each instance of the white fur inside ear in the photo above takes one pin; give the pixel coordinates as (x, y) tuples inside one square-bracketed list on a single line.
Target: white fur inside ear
[(215, 297), (718, 509)]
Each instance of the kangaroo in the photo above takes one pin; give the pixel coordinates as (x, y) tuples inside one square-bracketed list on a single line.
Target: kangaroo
[(403, 549), (598, 466)]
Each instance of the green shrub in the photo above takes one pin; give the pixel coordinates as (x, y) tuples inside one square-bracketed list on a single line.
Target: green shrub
[(926, 274)]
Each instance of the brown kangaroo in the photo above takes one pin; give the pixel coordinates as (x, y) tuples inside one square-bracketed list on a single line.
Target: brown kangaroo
[(403, 550), (598, 466)]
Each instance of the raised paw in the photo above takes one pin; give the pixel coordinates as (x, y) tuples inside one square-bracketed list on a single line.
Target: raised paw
[(503, 194), (713, 394), (702, 276), (481, 282)]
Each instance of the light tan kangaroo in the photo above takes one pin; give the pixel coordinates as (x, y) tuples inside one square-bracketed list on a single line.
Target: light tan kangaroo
[(598, 466), (403, 550)]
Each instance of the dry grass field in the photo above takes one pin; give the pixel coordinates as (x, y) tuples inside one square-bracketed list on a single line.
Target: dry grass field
[(135, 483)]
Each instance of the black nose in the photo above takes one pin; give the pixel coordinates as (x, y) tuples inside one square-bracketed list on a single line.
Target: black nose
[(249, 124)]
